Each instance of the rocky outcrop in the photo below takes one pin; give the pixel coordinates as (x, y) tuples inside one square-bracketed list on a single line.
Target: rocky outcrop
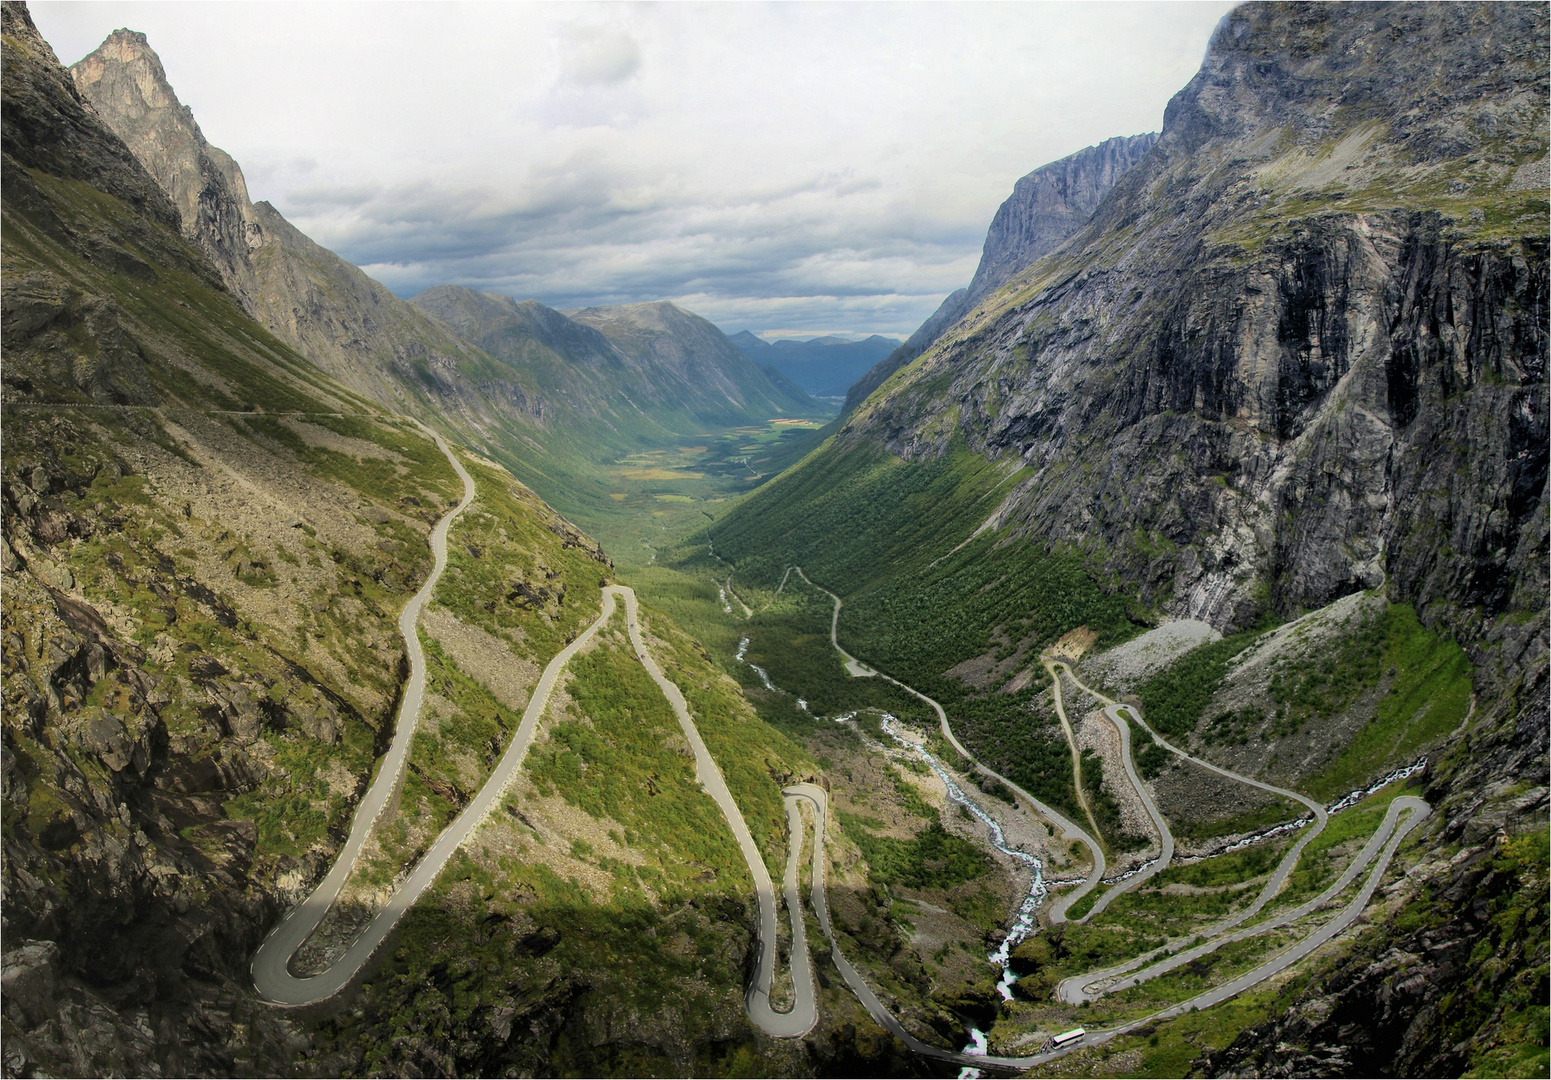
[(1448, 999), (48, 126), (151, 657), (1048, 205), (1045, 207)]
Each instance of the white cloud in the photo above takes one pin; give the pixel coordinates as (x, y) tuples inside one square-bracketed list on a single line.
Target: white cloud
[(791, 165), (600, 56)]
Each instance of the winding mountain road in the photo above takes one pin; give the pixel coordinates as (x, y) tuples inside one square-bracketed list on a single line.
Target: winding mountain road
[(1071, 742), (1069, 831), (1166, 838), (1074, 990), (804, 1013), (271, 964), (1377, 853)]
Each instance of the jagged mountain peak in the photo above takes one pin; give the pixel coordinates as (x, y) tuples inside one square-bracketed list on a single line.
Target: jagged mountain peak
[(130, 50), (124, 80), (47, 125)]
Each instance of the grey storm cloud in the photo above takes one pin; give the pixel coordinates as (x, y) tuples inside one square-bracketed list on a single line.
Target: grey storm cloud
[(775, 167), (575, 241)]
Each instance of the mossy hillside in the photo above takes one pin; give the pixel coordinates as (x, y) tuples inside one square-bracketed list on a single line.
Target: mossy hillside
[(518, 570), (646, 924), (405, 451), (1168, 1049), (933, 859), (1492, 1023), (756, 759), (930, 616), (913, 895), (890, 537), (174, 580), (1395, 686), (1230, 821), (1143, 920), (1426, 681), (619, 754), (514, 968), (529, 581), (1173, 700), (198, 347), (853, 514)]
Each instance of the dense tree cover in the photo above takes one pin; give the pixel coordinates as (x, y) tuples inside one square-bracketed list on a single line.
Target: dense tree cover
[(889, 536), (1106, 810), (1151, 759), (933, 859), (790, 641), (1011, 735), (1173, 699)]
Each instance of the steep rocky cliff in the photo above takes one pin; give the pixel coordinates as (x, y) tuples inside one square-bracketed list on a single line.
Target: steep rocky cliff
[(124, 80), (1302, 345), (1045, 207), (328, 310)]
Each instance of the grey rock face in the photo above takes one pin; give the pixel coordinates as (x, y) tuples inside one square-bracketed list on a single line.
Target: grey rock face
[(1045, 207), (47, 125), (1285, 352), (1048, 205), (124, 81)]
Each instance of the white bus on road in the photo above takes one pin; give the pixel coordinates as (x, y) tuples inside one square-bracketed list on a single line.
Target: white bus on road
[(1066, 1038)]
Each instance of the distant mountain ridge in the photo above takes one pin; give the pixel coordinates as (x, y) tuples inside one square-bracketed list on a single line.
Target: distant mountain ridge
[(823, 366), (650, 371), (683, 357), (548, 394), (1045, 207)]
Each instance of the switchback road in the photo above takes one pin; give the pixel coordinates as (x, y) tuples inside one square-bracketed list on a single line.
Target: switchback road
[(1378, 853)]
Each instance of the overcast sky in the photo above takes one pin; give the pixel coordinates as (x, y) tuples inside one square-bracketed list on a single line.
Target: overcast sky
[(785, 168)]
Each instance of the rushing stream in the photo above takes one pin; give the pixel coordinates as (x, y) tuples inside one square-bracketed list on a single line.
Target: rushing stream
[(1024, 924), (1362, 793), (743, 648)]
